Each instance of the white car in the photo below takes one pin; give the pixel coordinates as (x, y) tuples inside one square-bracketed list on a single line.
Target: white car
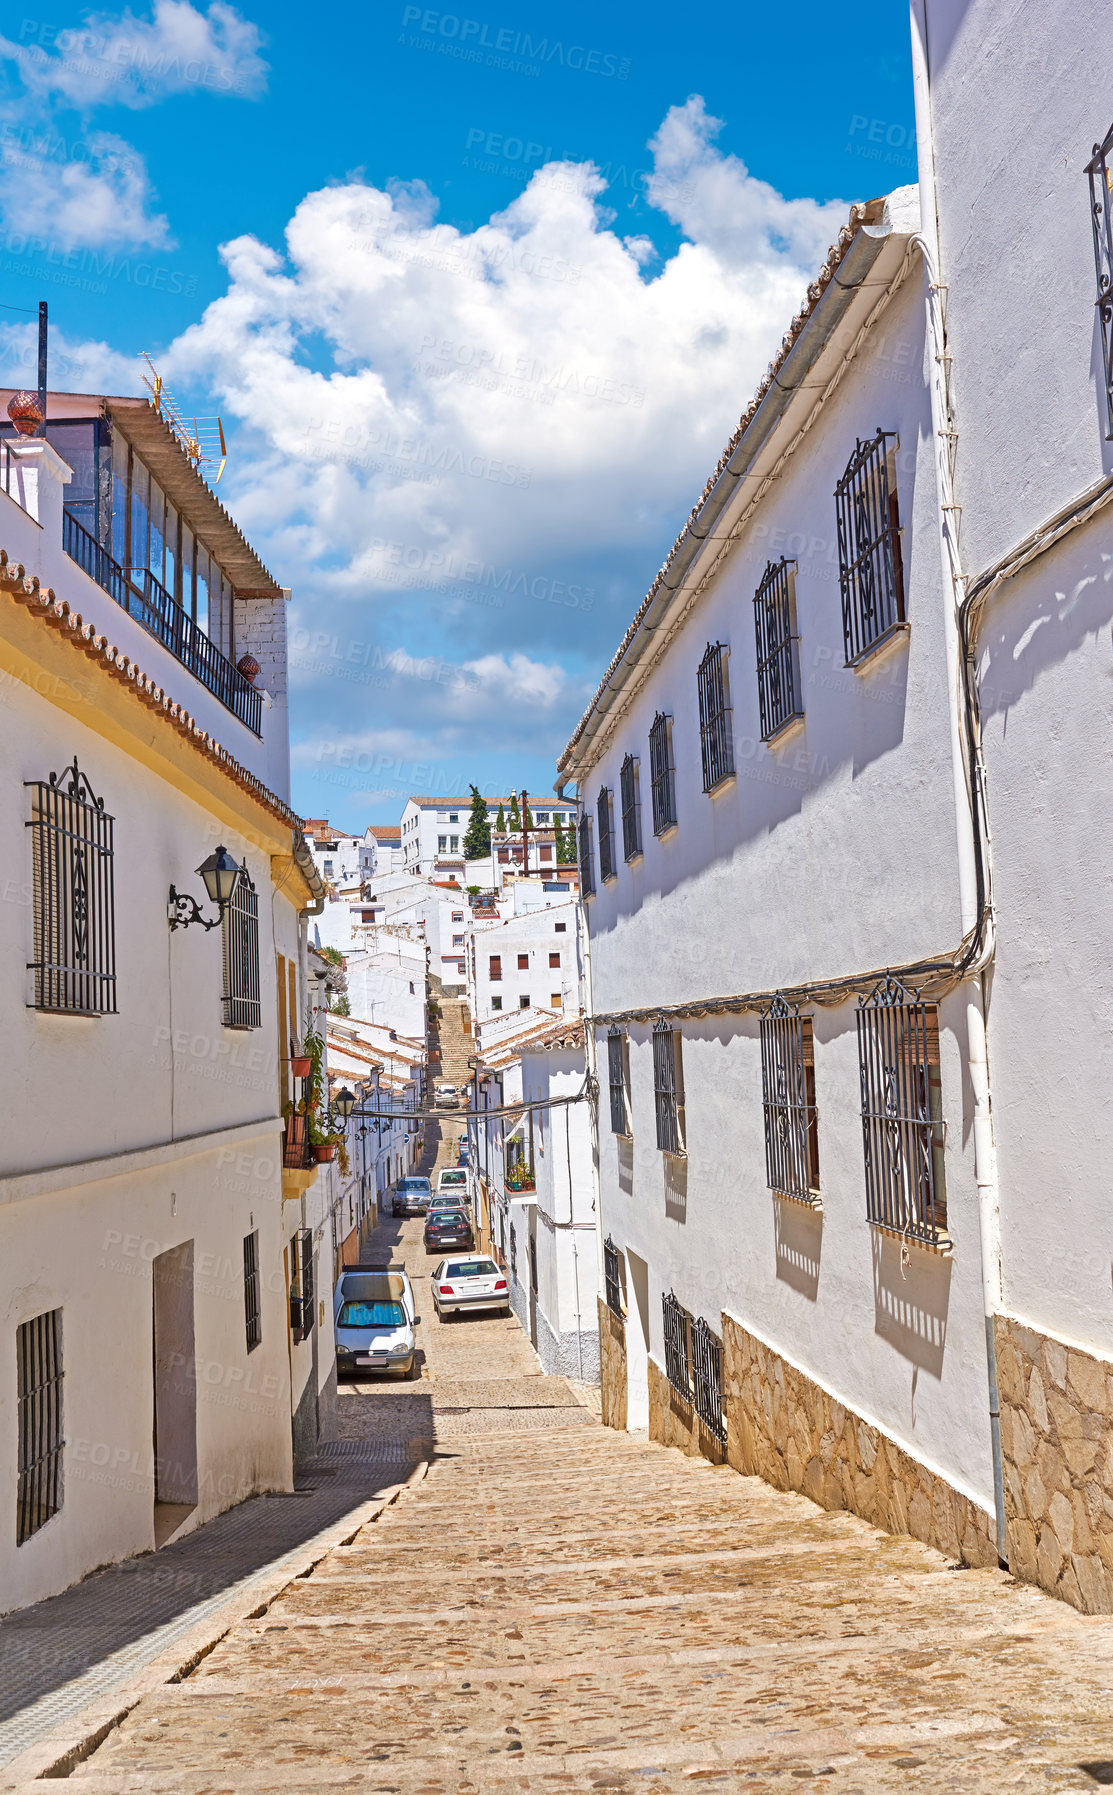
[(454, 1181), (446, 1096), (469, 1281), (374, 1319)]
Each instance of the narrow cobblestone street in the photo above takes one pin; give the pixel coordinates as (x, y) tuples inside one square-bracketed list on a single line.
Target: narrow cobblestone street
[(551, 1605)]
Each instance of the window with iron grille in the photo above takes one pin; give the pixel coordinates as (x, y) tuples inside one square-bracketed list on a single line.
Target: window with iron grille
[(902, 1122), (617, 1076), (587, 864), (677, 1357), (788, 1093), (1100, 172), (39, 1404), (871, 567), (605, 812), (662, 780), (631, 810), (301, 1284), (240, 1000), (252, 1323), (612, 1278), (778, 649), (715, 739), (707, 1377), (668, 1093), (73, 890)]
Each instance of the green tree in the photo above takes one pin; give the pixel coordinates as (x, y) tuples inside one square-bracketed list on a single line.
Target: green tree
[(515, 813), (500, 822), (477, 841), (559, 849), (527, 819)]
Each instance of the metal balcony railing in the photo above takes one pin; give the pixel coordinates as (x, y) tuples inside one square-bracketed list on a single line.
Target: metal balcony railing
[(145, 599)]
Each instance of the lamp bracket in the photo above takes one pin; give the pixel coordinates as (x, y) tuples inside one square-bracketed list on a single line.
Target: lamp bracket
[(181, 910)]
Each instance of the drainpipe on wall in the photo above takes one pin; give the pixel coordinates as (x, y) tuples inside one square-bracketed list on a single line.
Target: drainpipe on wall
[(967, 774)]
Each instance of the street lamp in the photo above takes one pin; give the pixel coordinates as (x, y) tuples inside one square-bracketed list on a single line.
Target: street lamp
[(221, 875), (344, 1103)]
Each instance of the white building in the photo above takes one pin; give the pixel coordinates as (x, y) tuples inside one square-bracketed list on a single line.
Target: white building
[(527, 954), (152, 1244), (785, 970), (433, 829)]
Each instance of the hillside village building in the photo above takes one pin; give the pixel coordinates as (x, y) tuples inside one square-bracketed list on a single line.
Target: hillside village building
[(433, 829), (160, 1355)]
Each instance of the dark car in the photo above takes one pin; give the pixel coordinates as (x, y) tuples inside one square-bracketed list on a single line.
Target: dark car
[(448, 1230)]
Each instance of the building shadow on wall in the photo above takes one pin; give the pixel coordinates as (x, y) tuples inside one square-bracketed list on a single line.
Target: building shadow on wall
[(798, 1231), (625, 1166), (676, 1187), (911, 1301)]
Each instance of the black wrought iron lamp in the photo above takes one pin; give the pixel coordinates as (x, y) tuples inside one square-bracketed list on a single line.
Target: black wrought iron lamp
[(343, 1103), (221, 875)]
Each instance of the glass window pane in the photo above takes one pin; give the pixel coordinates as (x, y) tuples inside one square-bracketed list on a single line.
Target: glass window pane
[(118, 545), (158, 506), (187, 568), (76, 443), (140, 492), (201, 615), (171, 580)]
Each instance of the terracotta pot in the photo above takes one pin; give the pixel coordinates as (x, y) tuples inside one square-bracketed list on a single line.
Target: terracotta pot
[(301, 1065), (322, 1154), (249, 667)]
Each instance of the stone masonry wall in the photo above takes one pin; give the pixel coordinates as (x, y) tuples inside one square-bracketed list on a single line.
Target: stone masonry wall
[(1057, 1448), (783, 1427), (674, 1422), (612, 1367)]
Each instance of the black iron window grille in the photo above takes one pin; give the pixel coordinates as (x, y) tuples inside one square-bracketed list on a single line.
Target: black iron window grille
[(39, 1405), (716, 742), (902, 1125), (707, 1377), (587, 864), (297, 1153), (618, 1081), (1100, 172), (252, 1321), (778, 649), (612, 1278), (677, 1356), (605, 812), (871, 566), (74, 896), (662, 778), (301, 1284), (241, 1006), (668, 1093), (146, 599), (631, 810), (788, 1095)]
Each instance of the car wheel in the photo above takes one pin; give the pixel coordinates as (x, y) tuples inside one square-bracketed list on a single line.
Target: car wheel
[(414, 1373)]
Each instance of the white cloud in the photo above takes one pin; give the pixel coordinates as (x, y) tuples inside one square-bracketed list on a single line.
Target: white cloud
[(102, 200), (123, 60), (75, 365)]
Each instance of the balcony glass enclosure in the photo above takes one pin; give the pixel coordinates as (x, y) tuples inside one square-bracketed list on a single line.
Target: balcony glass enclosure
[(127, 535)]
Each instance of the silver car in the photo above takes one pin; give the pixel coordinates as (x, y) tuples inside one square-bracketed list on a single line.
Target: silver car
[(412, 1195), (375, 1323), (469, 1281)]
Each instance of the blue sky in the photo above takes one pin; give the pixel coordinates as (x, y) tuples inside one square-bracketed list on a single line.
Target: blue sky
[(477, 294)]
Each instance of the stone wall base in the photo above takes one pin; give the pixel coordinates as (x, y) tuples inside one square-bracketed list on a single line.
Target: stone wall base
[(674, 1422), (612, 1366), (785, 1428), (1057, 1452)]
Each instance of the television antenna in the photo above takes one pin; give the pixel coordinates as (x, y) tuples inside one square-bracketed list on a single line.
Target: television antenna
[(204, 443)]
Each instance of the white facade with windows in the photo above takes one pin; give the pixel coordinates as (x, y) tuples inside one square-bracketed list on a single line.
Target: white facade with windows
[(433, 829), (768, 824), (146, 1219), (531, 959)]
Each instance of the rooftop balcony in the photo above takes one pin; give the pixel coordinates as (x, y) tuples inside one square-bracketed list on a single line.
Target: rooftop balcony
[(143, 598)]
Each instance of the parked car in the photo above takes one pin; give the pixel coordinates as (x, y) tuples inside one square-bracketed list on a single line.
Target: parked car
[(448, 1228), (446, 1096), (412, 1195), (454, 1181), (374, 1323), (475, 1283), (463, 1151)]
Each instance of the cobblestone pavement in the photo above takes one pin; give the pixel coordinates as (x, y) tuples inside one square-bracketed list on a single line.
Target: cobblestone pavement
[(558, 1607)]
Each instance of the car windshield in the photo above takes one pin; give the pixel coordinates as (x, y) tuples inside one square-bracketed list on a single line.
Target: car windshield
[(452, 1178), (415, 1184), (371, 1315), (471, 1268)]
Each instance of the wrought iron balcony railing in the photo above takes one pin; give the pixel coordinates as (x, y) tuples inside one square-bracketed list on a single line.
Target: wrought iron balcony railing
[(143, 598), (297, 1154)]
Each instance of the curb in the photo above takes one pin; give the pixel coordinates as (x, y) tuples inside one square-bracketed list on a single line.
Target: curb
[(77, 1738)]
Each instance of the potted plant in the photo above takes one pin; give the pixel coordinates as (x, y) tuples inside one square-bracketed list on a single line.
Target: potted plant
[(301, 1065)]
